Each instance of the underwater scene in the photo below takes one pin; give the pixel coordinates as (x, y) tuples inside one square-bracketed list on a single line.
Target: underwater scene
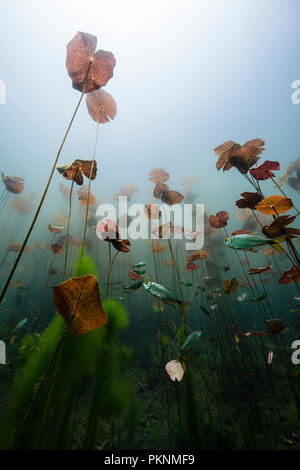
[(150, 236)]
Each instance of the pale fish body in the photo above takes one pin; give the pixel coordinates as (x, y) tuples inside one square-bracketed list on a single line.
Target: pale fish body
[(157, 290), (246, 241)]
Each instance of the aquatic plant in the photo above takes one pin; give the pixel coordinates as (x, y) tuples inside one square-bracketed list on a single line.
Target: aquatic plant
[(89, 71)]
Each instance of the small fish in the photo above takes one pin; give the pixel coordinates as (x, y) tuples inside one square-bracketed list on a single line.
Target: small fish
[(242, 297), (134, 286), (270, 357), (120, 299), (248, 241), (226, 269), (191, 340), (141, 264), (204, 310), (186, 283), (164, 294), (259, 298), (20, 325), (201, 288), (139, 271)]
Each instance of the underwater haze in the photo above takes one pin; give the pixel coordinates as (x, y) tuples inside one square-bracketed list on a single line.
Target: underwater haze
[(110, 340)]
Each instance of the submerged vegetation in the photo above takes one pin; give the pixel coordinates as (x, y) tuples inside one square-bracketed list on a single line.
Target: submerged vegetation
[(139, 344)]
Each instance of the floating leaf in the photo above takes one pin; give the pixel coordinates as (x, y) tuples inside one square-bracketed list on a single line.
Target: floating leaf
[(175, 370), (171, 197), (16, 247), (55, 229), (278, 227), (239, 232), (57, 248), (101, 106), (109, 232), (275, 326), (170, 262), (13, 184), (134, 276), (250, 200), (65, 191), (294, 181), (21, 205), (196, 255), (191, 266), (162, 191), (73, 171), (158, 175), (219, 220), (274, 205), (158, 248), (80, 55), (264, 269), (293, 275), (85, 198), (242, 157), (40, 245), (78, 301), (269, 252), (263, 172)]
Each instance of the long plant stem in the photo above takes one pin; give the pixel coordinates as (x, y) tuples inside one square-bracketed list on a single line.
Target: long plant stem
[(43, 197), (89, 188), (68, 228)]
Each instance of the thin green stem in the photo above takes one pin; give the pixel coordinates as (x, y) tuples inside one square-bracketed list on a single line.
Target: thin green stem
[(43, 195)]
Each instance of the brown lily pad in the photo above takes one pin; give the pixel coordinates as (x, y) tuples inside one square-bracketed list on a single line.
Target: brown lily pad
[(75, 170), (78, 301), (80, 55), (101, 106), (274, 205)]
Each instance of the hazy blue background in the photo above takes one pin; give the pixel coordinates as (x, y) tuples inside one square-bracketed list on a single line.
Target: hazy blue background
[(189, 75)]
